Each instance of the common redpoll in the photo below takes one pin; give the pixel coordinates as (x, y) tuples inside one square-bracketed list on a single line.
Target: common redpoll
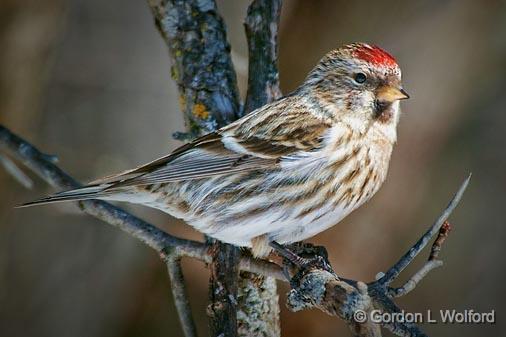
[(287, 170)]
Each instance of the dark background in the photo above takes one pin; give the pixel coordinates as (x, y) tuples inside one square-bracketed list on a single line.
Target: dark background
[(89, 81)]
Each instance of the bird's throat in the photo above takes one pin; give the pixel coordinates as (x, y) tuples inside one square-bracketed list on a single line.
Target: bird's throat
[(383, 111)]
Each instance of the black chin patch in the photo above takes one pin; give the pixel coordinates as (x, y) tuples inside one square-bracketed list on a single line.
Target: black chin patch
[(383, 111)]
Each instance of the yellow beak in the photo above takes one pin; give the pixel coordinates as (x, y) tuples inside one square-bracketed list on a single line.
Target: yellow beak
[(390, 94)]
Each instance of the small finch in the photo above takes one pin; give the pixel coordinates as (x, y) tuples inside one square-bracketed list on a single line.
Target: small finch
[(288, 170)]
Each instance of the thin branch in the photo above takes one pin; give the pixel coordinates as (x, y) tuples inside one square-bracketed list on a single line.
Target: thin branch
[(160, 241), (408, 257), (262, 267), (432, 263), (179, 293), (321, 289), (16, 172), (415, 279)]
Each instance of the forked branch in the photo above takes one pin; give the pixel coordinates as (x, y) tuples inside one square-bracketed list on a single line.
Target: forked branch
[(354, 301)]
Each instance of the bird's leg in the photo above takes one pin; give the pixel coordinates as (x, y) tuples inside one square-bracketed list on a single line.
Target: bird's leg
[(288, 254), (317, 257)]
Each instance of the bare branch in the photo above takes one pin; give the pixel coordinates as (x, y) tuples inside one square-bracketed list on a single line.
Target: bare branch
[(415, 279), (398, 327), (179, 293), (16, 172), (432, 263), (162, 242), (325, 291), (345, 298), (406, 259)]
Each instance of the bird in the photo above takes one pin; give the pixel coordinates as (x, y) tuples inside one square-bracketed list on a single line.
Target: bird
[(284, 172)]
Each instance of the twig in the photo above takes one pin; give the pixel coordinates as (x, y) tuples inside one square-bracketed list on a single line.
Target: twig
[(415, 279), (16, 172), (344, 298), (153, 237), (438, 243), (406, 259), (432, 263), (179, 293)]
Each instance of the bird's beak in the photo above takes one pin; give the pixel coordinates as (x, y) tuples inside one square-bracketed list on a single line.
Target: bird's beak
[(390, 94)]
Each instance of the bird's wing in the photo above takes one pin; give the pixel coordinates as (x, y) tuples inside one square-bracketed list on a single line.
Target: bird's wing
[(261, 140), (256, 141)]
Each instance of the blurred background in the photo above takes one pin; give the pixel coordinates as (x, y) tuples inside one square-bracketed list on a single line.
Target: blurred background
[(89, 81)]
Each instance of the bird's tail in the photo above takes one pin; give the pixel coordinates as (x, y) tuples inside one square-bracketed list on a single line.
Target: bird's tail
[(83, 193)]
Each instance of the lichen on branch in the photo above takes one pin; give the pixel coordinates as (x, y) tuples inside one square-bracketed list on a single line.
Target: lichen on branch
[(202, 67)]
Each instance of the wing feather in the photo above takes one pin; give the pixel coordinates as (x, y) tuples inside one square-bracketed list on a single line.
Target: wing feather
[(286, 129), (257, 141)]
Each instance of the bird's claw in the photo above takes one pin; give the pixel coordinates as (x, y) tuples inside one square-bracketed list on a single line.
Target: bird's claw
[(301, 258)]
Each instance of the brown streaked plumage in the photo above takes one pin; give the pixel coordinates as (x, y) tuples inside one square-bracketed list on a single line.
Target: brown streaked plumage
[(286, 171)]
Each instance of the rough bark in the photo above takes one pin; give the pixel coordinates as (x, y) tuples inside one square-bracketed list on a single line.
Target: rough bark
[(222, 308), (258, 314), (262, 25), (259, 310), (201, 63), (202, 68)]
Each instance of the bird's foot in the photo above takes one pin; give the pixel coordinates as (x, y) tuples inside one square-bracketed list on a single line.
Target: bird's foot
[(304, 257)]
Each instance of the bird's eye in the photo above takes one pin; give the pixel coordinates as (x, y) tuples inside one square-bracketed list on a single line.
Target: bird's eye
[(360, 78)]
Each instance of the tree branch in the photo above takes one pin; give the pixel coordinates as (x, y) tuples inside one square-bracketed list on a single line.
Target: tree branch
[(432, 263), (262, 25), (202, 68), (180, 295), (18, 174), (223, 285), (162, 242), (258, 314), (408, 257), (324, 290)]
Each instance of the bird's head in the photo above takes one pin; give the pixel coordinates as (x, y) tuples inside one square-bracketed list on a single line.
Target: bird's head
[(358, 81)]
